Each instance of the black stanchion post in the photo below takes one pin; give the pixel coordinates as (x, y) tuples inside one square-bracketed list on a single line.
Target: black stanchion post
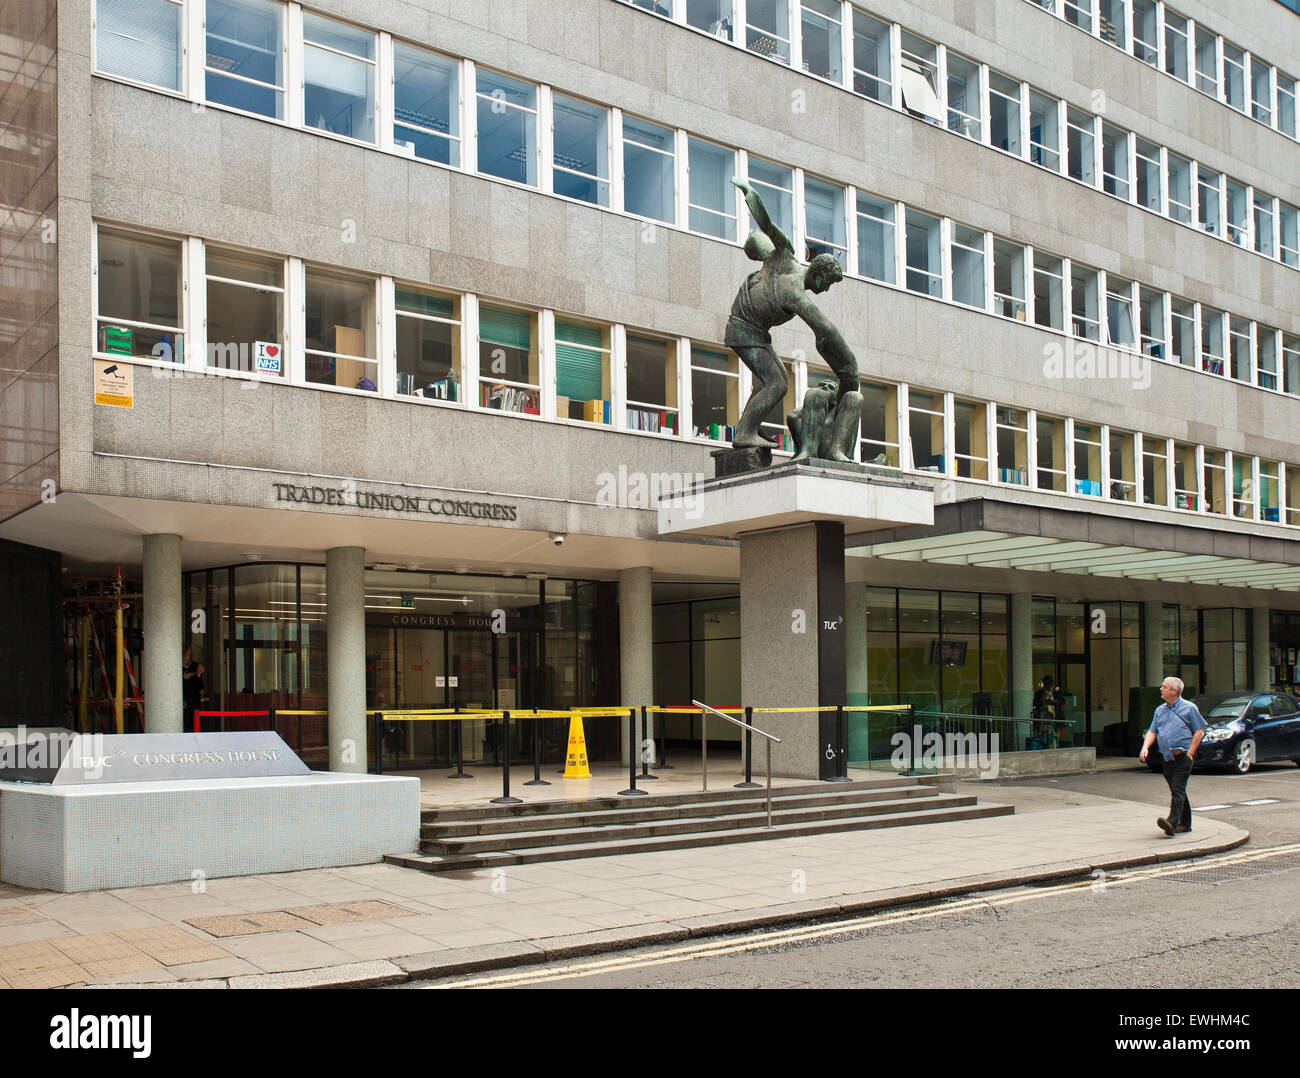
[(841, 737), (912, 737), (631, 790), (379, 742), (460, 755), (505, 798), (749, 783), (663, 764), (646, 741), (537, 779)]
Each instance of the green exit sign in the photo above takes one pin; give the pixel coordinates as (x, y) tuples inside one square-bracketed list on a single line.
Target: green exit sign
[(408, 602)]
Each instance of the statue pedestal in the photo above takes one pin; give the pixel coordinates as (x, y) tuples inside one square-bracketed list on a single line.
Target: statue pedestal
[(727, 462), (791, 521)]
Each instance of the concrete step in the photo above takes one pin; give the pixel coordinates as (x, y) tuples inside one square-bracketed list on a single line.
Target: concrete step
[(456, 813), (694, 825), (943, 812), (644, 810)]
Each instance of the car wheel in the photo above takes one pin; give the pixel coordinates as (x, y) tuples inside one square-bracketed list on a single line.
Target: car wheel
[(1243, 757)]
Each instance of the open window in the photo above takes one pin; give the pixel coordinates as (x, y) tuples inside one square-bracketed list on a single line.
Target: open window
[(651, 384), (1119, 312), (919, 78), (582, 381)]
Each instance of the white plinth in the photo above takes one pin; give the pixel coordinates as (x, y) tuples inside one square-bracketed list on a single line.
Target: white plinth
[(85, 838), (796, 494)]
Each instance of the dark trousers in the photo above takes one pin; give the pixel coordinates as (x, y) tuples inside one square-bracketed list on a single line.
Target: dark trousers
[(1177, 771)]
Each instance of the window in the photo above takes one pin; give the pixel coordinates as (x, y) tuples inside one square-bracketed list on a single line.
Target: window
[(1155, 470), (140, 40), (1234, 77), (1269, 505), (1114, 161), (712, 16), (1209, 187), (1288, 234), (1112, 23), (1087, 459), (879, 424), (712, 196), (426, 104), (1207, 62), (872, 67), (1084, 308), (340, 330), (1123, 476), (1119, 312), (509, 378), (582, 372), (1145, 30), (1078, 13), (970, 448), (1012, 433), (1211, 340), (1175, 45), (1243, 487), (968, 282), (1149, 187), (876, 245), (1179, 171), (1261, 90), (821, 39), (1081, 142), (1182, 331), (925, 422), (339, 78), (1292, 494), (1187, 494), (1051, 453), (1264, 225), (1286, 104), (965, 98), (428, 344), (715, 389), (1238, 213), (507, 128), (924, 254), (648, 170), (1044, 131), (1009, 280), (1004, 113), (244, 61), (1214, 483), (1151, 314), (768, 30), (919, 78), (581, 150), (824, 220), (245, 312), (651, 384), (775, 183), (1241, 366), (1291, 367), (1266, 357), (139, 310), (1049, 291)]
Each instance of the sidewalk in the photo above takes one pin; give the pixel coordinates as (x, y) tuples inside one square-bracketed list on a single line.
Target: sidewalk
[(380, 924)]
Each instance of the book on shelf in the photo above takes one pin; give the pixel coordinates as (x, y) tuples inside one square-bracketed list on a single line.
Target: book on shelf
[(509, 399), (651, 420), (595, 411)]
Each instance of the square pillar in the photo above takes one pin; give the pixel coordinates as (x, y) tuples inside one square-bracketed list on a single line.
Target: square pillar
[(345, 656), (636, 644), (164, 628)]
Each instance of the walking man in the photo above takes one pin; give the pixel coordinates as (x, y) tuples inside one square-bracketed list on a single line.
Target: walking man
[(1177, 728)]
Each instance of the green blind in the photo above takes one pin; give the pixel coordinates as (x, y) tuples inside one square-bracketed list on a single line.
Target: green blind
[(507, 329), (421, 303), (578, 362)]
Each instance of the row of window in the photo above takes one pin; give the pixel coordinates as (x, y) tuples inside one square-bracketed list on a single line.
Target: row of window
[(209, 308), (897, 68), (1160, 37), (356, 84)]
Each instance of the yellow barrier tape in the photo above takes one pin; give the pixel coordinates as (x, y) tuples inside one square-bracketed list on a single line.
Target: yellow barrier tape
[(279, 711)]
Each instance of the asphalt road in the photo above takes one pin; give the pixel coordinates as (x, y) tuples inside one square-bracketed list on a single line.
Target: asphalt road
[(1230, 921)]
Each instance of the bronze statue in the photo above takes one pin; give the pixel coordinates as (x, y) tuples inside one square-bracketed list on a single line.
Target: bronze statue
[(827, 425)]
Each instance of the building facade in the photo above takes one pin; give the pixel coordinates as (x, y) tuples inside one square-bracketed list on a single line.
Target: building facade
[(363, 337)]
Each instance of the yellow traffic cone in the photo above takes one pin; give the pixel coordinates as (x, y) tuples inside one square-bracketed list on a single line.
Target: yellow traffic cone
[(575, 761)]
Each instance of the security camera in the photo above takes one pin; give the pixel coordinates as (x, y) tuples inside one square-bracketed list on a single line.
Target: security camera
[(557, 538)]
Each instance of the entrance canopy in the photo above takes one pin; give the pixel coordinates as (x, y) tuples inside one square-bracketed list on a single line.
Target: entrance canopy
[(1000, 535)]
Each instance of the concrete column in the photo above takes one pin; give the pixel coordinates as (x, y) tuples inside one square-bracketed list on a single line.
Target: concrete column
[(1022, 654), (345, 626), (636, 643), (1260, 668), (1153, 644), (164, 634)]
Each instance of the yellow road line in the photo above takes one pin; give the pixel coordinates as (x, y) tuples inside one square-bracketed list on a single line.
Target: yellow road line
[(796, 934)]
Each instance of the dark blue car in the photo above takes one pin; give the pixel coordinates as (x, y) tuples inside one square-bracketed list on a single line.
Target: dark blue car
[(1244, 729)]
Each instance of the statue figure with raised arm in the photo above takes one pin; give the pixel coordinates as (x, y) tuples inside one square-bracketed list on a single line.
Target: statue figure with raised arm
[(770, 296)]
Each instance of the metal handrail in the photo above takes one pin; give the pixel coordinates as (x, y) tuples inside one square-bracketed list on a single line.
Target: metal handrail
[(705, 711)]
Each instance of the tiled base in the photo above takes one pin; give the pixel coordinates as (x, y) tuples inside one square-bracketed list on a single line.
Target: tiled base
[(84, 838)]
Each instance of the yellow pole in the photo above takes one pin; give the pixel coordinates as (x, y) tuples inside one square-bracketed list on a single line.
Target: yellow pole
[(117, 691)]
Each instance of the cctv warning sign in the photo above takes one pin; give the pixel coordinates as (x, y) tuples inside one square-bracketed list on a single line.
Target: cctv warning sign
[(113, 385)]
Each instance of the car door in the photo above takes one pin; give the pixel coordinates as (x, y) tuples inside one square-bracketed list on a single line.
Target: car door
[(1267, 729), (1288, 712)]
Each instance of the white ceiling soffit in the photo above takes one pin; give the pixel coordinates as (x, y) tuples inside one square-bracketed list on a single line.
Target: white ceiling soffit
[(1001, 550)]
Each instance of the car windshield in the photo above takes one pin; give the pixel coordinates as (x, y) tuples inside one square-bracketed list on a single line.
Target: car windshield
[(1227, 709)]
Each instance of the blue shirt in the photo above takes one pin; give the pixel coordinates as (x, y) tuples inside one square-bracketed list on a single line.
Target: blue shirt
[(1173, 726)]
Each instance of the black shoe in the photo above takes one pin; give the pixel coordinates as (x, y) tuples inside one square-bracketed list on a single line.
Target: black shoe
[(1165, 825)]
